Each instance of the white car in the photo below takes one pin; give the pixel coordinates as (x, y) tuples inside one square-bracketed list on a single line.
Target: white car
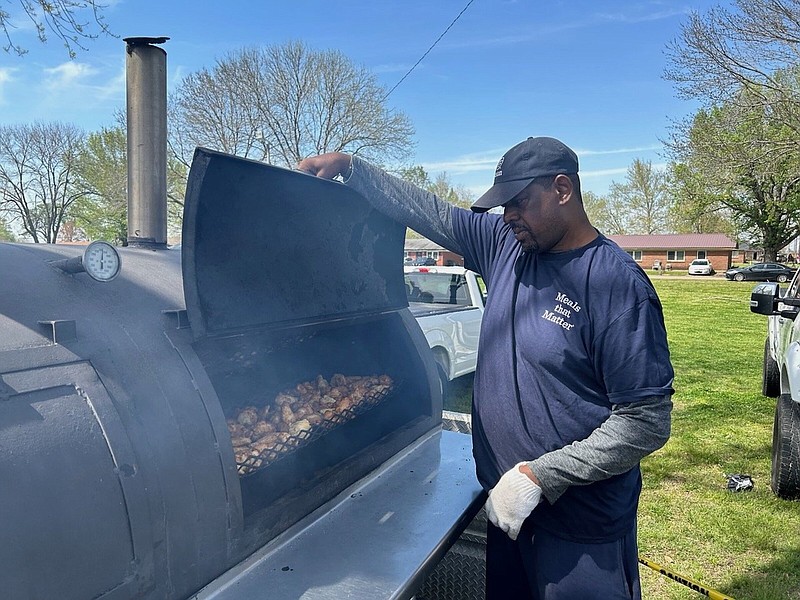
[(701, 266)]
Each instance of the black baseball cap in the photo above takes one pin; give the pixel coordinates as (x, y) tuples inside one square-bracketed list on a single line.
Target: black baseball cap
[(535, 157)]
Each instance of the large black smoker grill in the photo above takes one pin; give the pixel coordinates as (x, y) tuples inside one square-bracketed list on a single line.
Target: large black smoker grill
[(119, 476)]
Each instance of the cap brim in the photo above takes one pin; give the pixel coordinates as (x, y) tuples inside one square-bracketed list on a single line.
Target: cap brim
[(499, 194)]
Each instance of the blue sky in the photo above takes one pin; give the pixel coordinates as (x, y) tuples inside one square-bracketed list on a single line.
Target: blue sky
[(587, 72)]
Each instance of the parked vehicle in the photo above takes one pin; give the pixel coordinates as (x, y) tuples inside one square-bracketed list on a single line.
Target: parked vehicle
[(761, 272), (448, 305), (423, 261), (781, 380), (701, 266)]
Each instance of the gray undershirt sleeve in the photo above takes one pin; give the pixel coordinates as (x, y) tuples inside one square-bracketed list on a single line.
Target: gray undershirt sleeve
[(404, 202), (631, 432)]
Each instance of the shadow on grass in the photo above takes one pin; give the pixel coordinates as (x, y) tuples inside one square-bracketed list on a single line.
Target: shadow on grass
[(776, 579), (459, 394)]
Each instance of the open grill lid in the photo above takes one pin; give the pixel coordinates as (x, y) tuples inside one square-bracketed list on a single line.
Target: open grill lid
[(264, 245)]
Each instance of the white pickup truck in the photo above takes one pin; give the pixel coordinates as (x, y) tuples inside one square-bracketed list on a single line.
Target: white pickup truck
[(448, 305), (781, 379)]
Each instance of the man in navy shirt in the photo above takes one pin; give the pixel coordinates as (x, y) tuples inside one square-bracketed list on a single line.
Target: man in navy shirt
[(574, 382)]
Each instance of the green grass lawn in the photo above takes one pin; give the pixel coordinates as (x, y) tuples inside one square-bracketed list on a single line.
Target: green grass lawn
[(747, 544)]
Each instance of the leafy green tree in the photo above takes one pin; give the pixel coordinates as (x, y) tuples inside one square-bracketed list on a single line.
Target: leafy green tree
[(695, 207), (454, 194), (641, 203), (728, 154), (752, 46), (102, 170), (6, 234), (417, 175), (607, 218), (741, 151), (442, 186), (638, 205), (177, 175)]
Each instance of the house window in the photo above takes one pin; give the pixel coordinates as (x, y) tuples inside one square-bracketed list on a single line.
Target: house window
[(636, 255), (433, 254), (676, 255), (701, 254)]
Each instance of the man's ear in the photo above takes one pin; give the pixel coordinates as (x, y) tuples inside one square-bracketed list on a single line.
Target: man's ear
[(563, 186)]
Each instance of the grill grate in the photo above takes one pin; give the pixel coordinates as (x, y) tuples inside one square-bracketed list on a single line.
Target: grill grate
[(291, 442)]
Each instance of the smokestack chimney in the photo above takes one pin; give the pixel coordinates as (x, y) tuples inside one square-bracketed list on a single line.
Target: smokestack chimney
[(146, 88)]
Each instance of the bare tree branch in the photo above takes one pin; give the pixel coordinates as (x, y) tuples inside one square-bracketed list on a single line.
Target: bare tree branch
[(285, 102), (74, 22), (37, 176), (754, 49)]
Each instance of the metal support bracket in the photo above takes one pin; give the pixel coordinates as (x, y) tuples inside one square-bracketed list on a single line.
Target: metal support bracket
[(60, 331)]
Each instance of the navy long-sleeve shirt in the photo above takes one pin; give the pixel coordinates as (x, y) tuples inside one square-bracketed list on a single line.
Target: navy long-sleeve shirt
[(573, 368)]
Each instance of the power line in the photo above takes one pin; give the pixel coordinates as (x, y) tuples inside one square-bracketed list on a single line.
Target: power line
[(458, 16)]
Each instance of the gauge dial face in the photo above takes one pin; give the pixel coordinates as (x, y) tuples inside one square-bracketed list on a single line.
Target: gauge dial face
[(101, 261)]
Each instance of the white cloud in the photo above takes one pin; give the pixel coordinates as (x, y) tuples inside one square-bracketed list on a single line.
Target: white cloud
[(82, 85), (6, 77), (618, 171), (462, 165), (619, 150), (114, 87), (68, 74), (178, 73), (20, 23), (475, 171), (631, 16), (393, 68), (467, 163), (487, 160), (604, 172)]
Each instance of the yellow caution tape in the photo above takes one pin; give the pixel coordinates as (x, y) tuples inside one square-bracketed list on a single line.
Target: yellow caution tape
[(690, 583)]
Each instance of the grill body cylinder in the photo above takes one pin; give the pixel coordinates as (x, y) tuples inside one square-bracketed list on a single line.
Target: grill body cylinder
[(115, 397)]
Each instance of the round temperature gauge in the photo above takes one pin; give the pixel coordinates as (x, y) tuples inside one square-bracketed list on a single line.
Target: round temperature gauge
[(101, 261)]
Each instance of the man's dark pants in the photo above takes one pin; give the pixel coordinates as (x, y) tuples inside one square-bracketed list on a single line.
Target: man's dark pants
[(541, 566)]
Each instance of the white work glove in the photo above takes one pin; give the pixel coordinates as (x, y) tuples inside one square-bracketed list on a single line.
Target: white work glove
[(512, 500)]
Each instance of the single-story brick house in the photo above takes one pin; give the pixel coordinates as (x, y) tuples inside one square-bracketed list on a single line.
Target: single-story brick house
[(677, 251), (421, 247), (746, 253), (671, 251)]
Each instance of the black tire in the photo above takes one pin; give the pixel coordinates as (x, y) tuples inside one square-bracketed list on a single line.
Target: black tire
[(786, 449), (782, 278), (739, 277), (771, 376)]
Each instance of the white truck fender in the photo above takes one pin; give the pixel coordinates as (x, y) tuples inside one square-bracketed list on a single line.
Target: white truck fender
[(438, 338), (792, 371)]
